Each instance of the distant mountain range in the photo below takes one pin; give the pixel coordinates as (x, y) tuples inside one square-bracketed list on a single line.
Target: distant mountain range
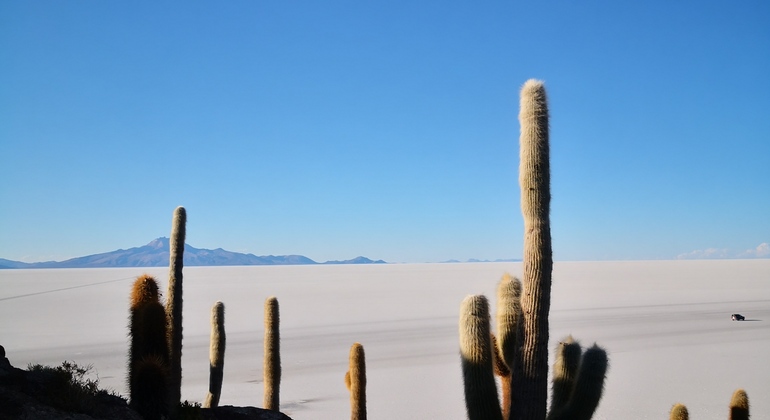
[(156, 254)]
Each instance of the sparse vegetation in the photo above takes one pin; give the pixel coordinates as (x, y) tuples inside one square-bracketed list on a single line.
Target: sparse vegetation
[(71, 387)]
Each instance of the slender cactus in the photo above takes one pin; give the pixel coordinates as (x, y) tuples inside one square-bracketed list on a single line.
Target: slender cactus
[(509, 333), (481, 399), (534, 180), (679, 412), (174, 303), (216, 355), (272, 368), (355, 380), (565, 370), (739, 405)]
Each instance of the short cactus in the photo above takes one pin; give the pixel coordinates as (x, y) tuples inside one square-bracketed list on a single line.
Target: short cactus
[(739, 405), (355, 380), (216, 355), (148, 351), (679, 412), (481, 399)]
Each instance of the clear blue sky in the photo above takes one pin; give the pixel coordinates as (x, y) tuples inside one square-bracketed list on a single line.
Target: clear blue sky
[(387, 129)]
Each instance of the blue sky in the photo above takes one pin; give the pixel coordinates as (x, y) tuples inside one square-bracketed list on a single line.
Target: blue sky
[(387, 129)]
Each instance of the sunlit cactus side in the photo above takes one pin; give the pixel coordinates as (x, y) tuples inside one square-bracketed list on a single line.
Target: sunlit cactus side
[(148, 351), (174, 303), (588, 388), (481, 400), (216, 355), (272, 363), (679, 412), (355, 381), (534, 181), (565, 370), (509, 335), (739, 405)]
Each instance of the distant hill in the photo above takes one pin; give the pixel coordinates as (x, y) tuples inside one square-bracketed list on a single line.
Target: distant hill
[(156, 254)]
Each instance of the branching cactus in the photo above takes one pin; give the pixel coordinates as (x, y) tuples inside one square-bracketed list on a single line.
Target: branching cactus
[(679, 412), (174, 303), (355, 380), (523, 308), (272, 364), (477, 360), (739, 405), (216, 355)]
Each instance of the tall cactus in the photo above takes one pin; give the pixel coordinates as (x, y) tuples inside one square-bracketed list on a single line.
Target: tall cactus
[(272, 363), (739, 405), (534, 180), (481, 399), (174, 303), (216, 355), (355, 380)]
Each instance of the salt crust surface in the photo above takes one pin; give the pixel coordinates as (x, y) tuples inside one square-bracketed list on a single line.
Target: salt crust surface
[(665, 324)]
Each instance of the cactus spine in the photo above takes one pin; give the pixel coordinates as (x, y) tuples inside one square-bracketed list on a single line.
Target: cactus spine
[(534, 180), (174, 303), (481, 399), (355, 380), (509, 334), (739, 405), (148, 352), (679, 412), (272, 364), (216, 355)]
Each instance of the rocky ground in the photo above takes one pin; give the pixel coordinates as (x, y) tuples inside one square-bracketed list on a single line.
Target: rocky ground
[(51, 393)]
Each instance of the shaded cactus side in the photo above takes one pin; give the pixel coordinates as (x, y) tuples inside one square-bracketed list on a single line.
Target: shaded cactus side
[(679, 412), (174, 303), (355, 381), (216, 355), (534, 181), (739, 405), (148, 351), (481, 399), (509, 335), (272, 362), (149, 394)]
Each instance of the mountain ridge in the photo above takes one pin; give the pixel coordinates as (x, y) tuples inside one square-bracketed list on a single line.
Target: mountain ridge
[(156, 254)]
